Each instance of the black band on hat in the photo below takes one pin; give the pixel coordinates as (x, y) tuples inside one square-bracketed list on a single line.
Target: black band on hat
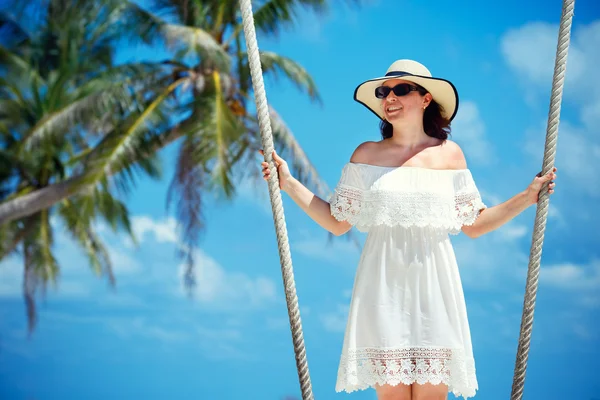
[(397, 73)]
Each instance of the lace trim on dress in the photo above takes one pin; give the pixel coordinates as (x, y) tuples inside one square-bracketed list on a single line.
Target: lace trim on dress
[(367, 367), (468, 207), (371, 208)]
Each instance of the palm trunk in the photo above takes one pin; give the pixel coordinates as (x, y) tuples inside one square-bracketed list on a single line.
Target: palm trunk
[(46, 197), (38, 200)]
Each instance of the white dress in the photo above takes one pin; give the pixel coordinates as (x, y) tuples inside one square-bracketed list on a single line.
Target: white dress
[(407, 321)]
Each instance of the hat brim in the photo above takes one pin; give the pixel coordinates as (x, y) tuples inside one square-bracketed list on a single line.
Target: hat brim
[(442, 90)]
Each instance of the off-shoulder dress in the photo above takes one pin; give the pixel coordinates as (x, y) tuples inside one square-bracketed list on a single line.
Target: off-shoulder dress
[(407, 319)]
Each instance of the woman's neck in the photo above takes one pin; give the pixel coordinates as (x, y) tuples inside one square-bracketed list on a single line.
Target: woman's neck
[(412, 136)]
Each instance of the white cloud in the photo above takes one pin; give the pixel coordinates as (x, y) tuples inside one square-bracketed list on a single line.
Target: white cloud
[(217, 288), (583, 332), (470, 133), (512, 231), (571, 276), (221, 289), (577, 150), (163, 231), (530, 51), (139, 326)]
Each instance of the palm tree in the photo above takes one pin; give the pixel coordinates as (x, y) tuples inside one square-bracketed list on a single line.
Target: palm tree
[(75, 128), (64, 108)]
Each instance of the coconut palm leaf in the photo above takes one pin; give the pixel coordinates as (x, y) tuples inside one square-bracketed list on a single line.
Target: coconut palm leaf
[(79, 128), (288, 147), (193, 40), (117, 88), (41, 266), (273, 15), (78, 214), (128, 147), (274, 65), (221, 130), (16, 66)]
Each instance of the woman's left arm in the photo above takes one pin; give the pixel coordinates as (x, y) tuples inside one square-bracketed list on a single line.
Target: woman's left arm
[(494, 217)]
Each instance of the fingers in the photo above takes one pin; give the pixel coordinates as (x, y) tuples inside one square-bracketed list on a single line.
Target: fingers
[(265, 165), (549, 176)]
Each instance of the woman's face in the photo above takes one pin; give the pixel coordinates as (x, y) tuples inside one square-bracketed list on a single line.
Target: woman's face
[(410, 105)]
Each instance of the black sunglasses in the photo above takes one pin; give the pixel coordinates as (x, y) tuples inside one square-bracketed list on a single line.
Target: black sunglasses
[(401, 89)]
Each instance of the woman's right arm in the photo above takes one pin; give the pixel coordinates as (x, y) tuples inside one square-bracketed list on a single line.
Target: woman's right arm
[(315, 207)]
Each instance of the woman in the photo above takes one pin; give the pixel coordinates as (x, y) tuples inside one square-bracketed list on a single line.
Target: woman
[(407, 333)]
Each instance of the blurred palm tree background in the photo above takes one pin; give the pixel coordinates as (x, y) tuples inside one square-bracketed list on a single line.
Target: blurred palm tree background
[(78, 129)]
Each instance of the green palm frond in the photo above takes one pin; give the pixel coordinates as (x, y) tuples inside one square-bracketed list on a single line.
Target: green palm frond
[(153, 30), (273, 15), (116, 89), (288, 147), (79, 213), (129, 145), (77, 127), (273, 64), (206, 161), (11, 235), (41, 266), (188, 187), (45, 263), (15, 66), (221, 130), (287, 144)]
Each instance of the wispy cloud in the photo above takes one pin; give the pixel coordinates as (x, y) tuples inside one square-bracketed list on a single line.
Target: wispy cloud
[(578, 148), (513, 231), (162, 231), (570, 276), (141, 327), (215, 342), (579, 145), (227, 290)]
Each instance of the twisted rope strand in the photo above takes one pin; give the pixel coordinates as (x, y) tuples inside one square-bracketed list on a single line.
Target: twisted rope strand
[(543, 202), (276, 203)]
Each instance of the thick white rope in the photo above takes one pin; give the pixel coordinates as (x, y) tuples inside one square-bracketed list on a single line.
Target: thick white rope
[(285, 259), (543, 202)]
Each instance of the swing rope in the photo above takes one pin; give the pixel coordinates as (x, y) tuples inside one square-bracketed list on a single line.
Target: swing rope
[(279, 219), (285, 258), (541, 215)]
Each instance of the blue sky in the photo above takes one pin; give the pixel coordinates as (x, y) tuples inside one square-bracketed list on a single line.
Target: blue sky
[(232, 341)]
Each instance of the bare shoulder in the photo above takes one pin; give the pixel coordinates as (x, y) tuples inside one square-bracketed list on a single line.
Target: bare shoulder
[(364, 152), (454, 155)]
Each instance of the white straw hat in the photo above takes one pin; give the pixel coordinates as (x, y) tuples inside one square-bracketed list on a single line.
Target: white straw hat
[(442, 90)]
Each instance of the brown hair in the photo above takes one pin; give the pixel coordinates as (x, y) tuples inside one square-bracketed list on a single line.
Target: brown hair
[(434, 124)]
